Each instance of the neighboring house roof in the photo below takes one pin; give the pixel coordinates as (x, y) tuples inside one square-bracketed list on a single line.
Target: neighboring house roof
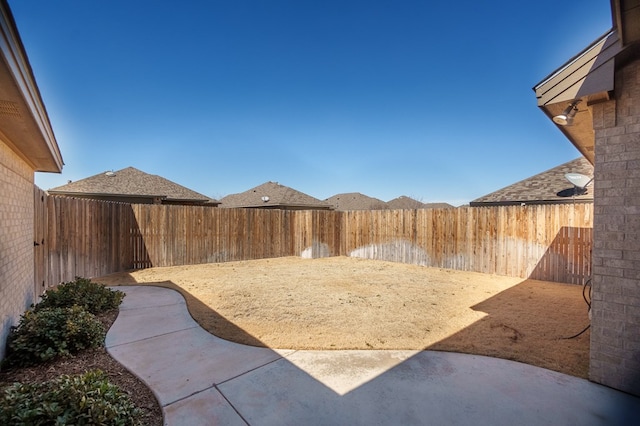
[(24, 122), (550, 187), (404, 202), (438, 206), (131, 183), (355, 201), (272, 195)]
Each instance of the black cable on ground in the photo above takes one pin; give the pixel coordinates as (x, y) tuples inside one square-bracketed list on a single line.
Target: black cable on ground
[(588, 302), (576, 335)]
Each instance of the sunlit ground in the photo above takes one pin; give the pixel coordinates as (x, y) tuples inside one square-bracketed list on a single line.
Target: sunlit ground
[(346, 303)]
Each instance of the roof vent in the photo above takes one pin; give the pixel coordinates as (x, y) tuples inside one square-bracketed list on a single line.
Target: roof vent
[(110, 173), (265, 198), (10, 108)]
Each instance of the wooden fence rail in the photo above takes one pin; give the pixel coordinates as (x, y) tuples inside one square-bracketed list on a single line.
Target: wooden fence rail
[(92, 238)]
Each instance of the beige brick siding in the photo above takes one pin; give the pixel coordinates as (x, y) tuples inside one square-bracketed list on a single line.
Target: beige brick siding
[(615, 326), (16, 240)]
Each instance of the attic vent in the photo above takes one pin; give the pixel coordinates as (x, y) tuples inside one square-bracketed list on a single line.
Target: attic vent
[(110, 173), (10, 108)]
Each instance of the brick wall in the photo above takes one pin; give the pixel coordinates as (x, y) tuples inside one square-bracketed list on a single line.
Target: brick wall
[(16, 240), (615, 331)]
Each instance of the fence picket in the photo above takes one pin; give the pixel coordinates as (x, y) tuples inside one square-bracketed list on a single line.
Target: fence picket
[(90, 237)]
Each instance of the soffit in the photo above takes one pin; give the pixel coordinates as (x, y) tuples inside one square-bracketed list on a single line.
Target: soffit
[(24, 123), (588, 77)]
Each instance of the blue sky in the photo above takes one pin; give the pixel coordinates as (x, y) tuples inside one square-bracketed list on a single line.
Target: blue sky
[(429, 99)]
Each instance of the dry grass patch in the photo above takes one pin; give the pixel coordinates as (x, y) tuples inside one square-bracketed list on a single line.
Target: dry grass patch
[(348, 303)]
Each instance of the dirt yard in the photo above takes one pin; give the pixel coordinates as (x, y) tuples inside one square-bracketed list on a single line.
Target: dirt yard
[(349, 303)]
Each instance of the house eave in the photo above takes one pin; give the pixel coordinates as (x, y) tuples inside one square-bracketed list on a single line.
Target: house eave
[(192, 201), (101, 194), (291, 207), (108, 195), (529, 202), (588, 77), (25, 125)]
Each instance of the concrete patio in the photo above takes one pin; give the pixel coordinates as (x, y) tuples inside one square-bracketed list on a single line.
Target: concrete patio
[(200, 379)]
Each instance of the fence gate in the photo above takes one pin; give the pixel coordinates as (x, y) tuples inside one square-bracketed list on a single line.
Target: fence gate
[(39, 238)]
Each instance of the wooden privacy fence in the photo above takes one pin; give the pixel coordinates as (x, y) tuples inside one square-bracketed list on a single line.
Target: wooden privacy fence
[(186, 235), (79, 237), (546, 242), (92, 238)]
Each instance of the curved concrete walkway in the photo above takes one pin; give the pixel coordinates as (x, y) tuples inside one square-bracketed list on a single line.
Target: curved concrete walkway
[(200, 379)]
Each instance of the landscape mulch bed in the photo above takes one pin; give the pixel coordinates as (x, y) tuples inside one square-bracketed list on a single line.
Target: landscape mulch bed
[(92, 359)]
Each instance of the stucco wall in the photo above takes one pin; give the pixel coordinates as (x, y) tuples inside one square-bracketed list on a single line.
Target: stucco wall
[(16, 240), (615, 331)]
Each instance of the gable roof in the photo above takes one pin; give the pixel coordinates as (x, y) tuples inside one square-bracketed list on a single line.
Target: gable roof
[(131, 182), (437, 206), (275, 196), (549, 187), (404, 202), (355, 201)]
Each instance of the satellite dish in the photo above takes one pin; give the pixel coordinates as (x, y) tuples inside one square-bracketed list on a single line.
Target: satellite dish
[(578, 180), (265, 198)]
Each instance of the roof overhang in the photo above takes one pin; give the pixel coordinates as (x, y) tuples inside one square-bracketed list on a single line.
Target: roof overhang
[(103, 194), (285, 206), (24, 123), (587, 77), (528, 203), (116, 197)]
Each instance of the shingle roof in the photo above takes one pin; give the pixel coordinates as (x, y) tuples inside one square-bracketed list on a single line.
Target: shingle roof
[(438, 206), (404, 202), (273, 195), (547, 187), (355, 201), (130, 182)]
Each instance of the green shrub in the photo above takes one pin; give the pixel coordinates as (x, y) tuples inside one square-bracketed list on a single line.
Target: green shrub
[(80, 400), (45, 334), (94, 297)]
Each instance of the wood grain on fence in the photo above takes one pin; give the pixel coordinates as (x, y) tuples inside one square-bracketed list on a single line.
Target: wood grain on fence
[(86, 238), (547, 242), (40, 255), (92, 238)]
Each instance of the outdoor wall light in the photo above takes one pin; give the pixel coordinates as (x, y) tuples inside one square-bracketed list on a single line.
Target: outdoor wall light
[(566, 118)]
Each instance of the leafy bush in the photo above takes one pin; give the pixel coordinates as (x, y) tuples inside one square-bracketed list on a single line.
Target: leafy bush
[(94, 297), (81, 400), (45, 334)]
